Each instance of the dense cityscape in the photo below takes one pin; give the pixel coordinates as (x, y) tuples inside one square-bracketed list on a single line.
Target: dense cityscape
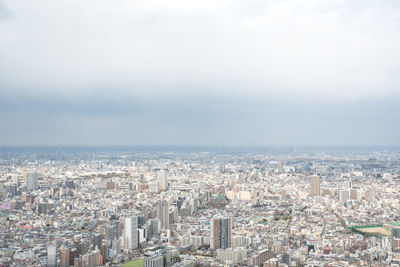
[(183, 207)]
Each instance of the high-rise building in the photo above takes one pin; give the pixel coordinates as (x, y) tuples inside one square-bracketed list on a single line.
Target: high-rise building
[(52, 256), (32, 181), (131, 231), (315, 185), (153, 260), (104, 252), (73, 253), (163, 213), (64, 257), (100, 167), (370, 194), (155, 226), (395, 236), (286, 259), (162, 180), (110, 232), (97, 240), (344, 195), (221, 233), (280, 166), (354, 194)]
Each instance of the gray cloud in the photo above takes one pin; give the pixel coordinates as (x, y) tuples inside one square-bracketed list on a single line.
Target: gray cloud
[(199, 120)]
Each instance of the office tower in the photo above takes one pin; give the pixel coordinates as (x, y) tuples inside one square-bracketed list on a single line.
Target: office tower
[(173, 215), (344, 195), (100, 167), (370, 194), (194, 203), (163, 213), (97, 240), (315, 185), (222, 167), (354, 194), (78, 262), (82, 246), (286, 259), (115, 248), (91, 259), (64, 257), (155, 227), (395, 236), (104, 252), (110, 232), (69, 184), (141, 221), (32, 181), (152, 259), (221, 233), (131, 231), (154, 187), (73, 253), (162, 180), (14, 179), (119, 227), (280, 166), (51, 256)]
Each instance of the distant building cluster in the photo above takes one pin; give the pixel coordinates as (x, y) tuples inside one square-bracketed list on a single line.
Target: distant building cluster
[(301, 207)]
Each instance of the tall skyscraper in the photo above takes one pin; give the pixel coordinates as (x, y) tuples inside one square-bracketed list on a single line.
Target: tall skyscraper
[(97, 240), (344, 195), (162, 180), (100, 167), (131, 231), (110, 232), (370, 194), (64, 257), (52, 256), (155, 226), (221, 233), (280, 166), (348, 185), (163, 213), (315, 185), (32, 181)]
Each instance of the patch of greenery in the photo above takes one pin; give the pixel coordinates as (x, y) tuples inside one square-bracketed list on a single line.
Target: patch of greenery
[(134, 263)]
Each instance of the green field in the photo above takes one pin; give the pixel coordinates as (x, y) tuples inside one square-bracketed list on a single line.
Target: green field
[(135, 263), (371, 230)]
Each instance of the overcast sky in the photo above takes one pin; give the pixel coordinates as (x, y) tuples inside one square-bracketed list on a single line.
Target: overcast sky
[(209, 72)]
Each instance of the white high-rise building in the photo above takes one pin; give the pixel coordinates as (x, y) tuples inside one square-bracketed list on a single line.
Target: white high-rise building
[(162, 180), (370, 194), (131, 231), (344, 195), (32, 181), (51, 256)]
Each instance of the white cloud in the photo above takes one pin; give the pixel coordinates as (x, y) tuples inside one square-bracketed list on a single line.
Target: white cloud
[(316, 48)]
